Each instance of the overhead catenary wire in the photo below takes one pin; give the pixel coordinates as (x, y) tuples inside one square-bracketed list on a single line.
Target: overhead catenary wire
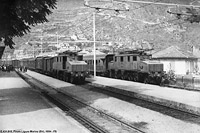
[(103, 8), (97, 8), (140, 31), (158, 3), (112, 16), (171, 20), (140, 7)]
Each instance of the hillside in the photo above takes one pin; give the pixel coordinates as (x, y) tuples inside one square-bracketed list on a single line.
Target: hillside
[(148, 24)]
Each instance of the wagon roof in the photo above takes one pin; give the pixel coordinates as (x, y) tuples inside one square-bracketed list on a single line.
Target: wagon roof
[(48, 54), (89, 56), (28, 58), (77, 62)]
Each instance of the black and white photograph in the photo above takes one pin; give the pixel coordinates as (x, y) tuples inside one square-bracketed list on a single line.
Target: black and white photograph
[(100, 66)]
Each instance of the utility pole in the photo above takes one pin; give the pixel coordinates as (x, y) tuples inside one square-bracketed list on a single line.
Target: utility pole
[(94, 39), (94, 28), (33, 51), (57, 40), (41, 44), (42, 40)]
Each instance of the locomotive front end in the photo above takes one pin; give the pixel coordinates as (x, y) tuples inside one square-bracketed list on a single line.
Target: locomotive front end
[(78, 70), (154, 70)]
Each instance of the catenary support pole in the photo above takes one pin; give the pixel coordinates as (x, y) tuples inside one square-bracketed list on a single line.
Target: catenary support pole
[(94, 39)]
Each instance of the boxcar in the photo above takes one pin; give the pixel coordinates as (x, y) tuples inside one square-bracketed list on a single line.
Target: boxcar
[(39, 64), (31, 64), (48, 65)]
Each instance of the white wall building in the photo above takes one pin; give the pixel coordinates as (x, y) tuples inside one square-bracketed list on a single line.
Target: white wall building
[(173, 58)]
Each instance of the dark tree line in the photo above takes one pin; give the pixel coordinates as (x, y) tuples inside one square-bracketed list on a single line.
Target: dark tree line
[(16, 17)]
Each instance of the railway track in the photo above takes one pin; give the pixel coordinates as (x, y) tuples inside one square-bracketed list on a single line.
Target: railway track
[(177, 113), (93, 119), (70, 111)]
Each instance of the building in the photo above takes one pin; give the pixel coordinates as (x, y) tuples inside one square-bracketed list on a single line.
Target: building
[(180, 61), (196, 52)]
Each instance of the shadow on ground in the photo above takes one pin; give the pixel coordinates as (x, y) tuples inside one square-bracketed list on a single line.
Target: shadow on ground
[(20, 100), (16, 96)]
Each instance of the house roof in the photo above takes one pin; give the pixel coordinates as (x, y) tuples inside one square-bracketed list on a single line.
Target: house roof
[(173, 52)]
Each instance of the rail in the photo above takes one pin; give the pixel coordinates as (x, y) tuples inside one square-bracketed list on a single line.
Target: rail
[(85, 121)]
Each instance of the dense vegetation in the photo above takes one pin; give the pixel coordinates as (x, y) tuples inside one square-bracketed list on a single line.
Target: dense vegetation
[(16, 17)]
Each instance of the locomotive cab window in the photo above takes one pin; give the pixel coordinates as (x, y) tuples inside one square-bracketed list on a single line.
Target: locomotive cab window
[(134, 58), (115, 59), (128, 58), (121, 59)]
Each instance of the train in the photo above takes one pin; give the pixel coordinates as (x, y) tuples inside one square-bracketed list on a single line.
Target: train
[(67, 66), (132, 65), (74, 67)]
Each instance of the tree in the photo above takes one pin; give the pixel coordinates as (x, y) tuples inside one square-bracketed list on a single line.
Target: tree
[(17, 17)]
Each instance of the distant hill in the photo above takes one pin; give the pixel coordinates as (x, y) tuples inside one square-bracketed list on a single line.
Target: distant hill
[(144, 23)]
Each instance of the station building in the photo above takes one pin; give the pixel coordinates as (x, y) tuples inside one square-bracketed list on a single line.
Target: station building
[(180, 61)]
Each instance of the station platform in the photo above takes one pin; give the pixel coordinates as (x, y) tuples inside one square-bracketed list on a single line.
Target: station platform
[(23, 109), (185, 100)]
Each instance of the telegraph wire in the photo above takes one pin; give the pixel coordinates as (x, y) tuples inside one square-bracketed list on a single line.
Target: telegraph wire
[(157, 3), (145, 5), (99, 9)]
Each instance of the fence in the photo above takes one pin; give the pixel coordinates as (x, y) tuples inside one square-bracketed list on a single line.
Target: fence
[(188, 82)]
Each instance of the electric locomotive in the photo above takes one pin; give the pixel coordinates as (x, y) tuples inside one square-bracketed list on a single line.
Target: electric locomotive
[(128, 65), (70, 67), (135, 66), (67, 66)]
